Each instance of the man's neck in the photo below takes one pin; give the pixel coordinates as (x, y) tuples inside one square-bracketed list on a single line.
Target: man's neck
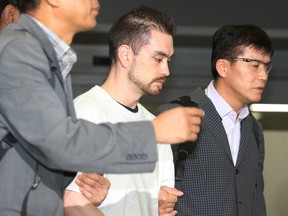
[(63, 33), (121, 92)]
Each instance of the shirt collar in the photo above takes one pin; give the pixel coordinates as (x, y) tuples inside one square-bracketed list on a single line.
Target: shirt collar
[(222, 107), (65, 54)]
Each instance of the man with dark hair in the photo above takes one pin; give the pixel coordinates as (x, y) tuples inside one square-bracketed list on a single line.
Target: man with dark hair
[(224, 174), (41, 138), (9, 12), (140, 47)]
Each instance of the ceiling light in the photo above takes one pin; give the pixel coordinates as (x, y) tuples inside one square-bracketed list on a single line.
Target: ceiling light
[(269, 107)]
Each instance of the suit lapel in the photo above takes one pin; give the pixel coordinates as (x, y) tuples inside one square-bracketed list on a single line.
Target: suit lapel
[(27, 24), (31, 27), (246, 130), (212, 120)]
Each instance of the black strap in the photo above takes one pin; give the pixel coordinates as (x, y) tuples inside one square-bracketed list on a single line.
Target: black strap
[(6, 143), (10, 139), (36, 182), (184, 149)]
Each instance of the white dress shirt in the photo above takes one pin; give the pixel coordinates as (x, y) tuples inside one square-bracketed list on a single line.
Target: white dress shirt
[(230, 120)]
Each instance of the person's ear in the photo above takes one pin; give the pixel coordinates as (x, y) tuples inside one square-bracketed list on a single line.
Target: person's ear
[(222, 66), (125, 55), (10, 14)]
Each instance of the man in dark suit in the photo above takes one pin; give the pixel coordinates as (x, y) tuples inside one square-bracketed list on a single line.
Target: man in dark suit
[(223, 176), (40, 136)]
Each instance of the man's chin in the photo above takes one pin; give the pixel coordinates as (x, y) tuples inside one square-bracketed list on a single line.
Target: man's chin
[(153, 93), (255, 100)]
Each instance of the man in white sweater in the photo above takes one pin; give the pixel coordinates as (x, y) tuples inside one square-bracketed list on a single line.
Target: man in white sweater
[(140, 48)]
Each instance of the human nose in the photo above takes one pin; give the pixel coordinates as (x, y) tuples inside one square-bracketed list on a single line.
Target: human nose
[(165, 69), (263, 75)]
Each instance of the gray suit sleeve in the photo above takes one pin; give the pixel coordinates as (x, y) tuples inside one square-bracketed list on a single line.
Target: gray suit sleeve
[(34, 113)]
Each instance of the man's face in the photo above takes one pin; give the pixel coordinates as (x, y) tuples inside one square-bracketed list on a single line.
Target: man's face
[(150, 66), (80, 15), (247, 76)]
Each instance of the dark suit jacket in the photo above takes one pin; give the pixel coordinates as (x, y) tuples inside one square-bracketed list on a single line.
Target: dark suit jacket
[(212, 185), (40, 114)]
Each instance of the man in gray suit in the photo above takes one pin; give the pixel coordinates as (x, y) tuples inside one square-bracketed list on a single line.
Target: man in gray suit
[(40, 136), (9, 13), (223, 176)]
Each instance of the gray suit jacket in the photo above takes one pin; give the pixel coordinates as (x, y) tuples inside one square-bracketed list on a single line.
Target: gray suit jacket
[(40, 114), (212, 185)]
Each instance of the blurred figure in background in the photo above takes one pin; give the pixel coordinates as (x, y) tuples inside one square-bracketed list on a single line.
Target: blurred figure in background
[(9, 12)]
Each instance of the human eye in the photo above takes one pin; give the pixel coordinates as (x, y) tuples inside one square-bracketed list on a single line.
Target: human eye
[(158, 59), (255, 65)]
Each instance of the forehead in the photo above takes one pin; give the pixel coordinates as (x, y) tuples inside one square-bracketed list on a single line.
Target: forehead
[(253, 52), (160, 42)]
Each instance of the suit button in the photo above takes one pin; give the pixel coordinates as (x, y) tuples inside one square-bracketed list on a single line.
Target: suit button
[(134, 157), (237, 171)]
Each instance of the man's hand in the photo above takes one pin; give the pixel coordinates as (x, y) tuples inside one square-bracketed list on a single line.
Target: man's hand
[(178, 125), (167, 199), (93, 186)]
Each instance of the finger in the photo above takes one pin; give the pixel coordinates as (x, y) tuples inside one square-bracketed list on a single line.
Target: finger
[(170, 213), (86, 193), (93, 190), (173, 213), (91, 186), (93, 178), (195, 111), (96, 199), (94, 194), (163, 207), (171, 190), (166, 210), (166, 199), (195, 120), (83, 181), (195, 129)]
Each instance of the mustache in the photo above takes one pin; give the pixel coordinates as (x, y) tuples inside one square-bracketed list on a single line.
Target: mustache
[(161, 79)]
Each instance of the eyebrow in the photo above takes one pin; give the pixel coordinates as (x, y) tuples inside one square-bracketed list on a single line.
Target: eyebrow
[(163, 54)]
